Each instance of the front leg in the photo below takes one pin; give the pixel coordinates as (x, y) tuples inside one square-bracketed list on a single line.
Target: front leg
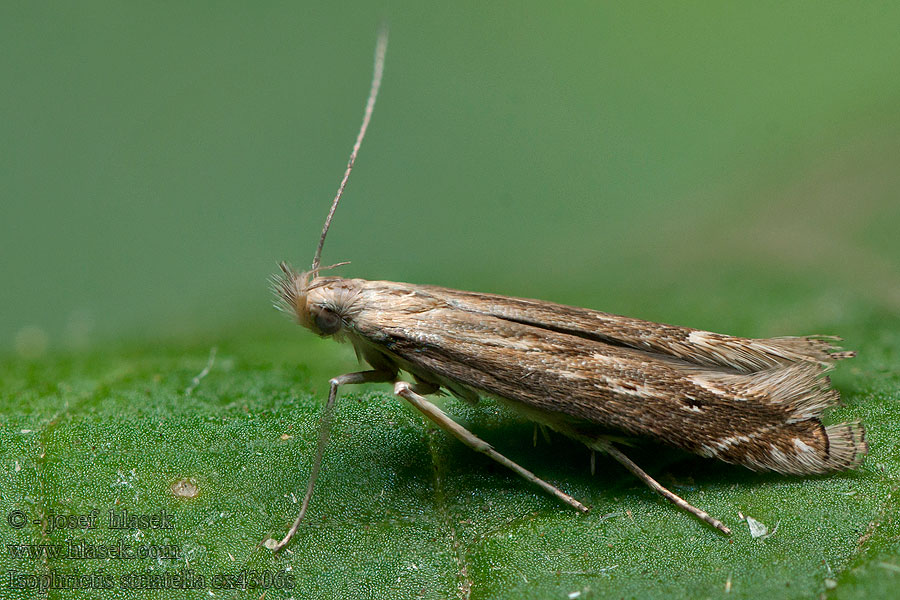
[(324, 431), (440, 418)]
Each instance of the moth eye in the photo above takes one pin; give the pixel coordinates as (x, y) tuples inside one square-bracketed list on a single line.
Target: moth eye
[(328, 321)]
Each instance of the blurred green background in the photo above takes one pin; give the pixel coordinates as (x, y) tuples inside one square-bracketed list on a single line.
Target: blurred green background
[(725, 166), (158, 160)]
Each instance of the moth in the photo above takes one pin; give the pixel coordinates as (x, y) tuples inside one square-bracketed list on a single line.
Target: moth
[(590, 375)]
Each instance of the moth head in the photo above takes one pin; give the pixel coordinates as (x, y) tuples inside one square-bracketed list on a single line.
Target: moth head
[(310, 299)]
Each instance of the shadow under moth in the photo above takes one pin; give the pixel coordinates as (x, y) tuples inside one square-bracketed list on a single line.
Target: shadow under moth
[(592, 376)]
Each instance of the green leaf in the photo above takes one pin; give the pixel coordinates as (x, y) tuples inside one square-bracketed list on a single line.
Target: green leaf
[(403, 511)]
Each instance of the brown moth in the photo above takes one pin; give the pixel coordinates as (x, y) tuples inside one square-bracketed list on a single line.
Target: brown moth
[(593, 376)]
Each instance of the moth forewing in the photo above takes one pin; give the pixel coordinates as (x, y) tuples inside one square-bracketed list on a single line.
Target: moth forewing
[(590, 375), (582, 385)]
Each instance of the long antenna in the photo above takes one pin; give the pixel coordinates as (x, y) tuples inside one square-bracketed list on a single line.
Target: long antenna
[(380, 50)]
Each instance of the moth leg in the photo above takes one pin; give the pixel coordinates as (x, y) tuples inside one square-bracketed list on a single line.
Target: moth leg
[(655, 485), (439, 418), (324, 431)]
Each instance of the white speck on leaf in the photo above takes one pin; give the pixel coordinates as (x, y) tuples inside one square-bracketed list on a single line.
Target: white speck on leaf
[(759, 530)]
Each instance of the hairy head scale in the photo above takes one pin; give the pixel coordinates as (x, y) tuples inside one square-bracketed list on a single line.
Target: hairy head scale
[(378, 71)]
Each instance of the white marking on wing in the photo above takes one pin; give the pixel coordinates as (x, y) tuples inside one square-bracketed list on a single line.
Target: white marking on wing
[(802, 447)]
